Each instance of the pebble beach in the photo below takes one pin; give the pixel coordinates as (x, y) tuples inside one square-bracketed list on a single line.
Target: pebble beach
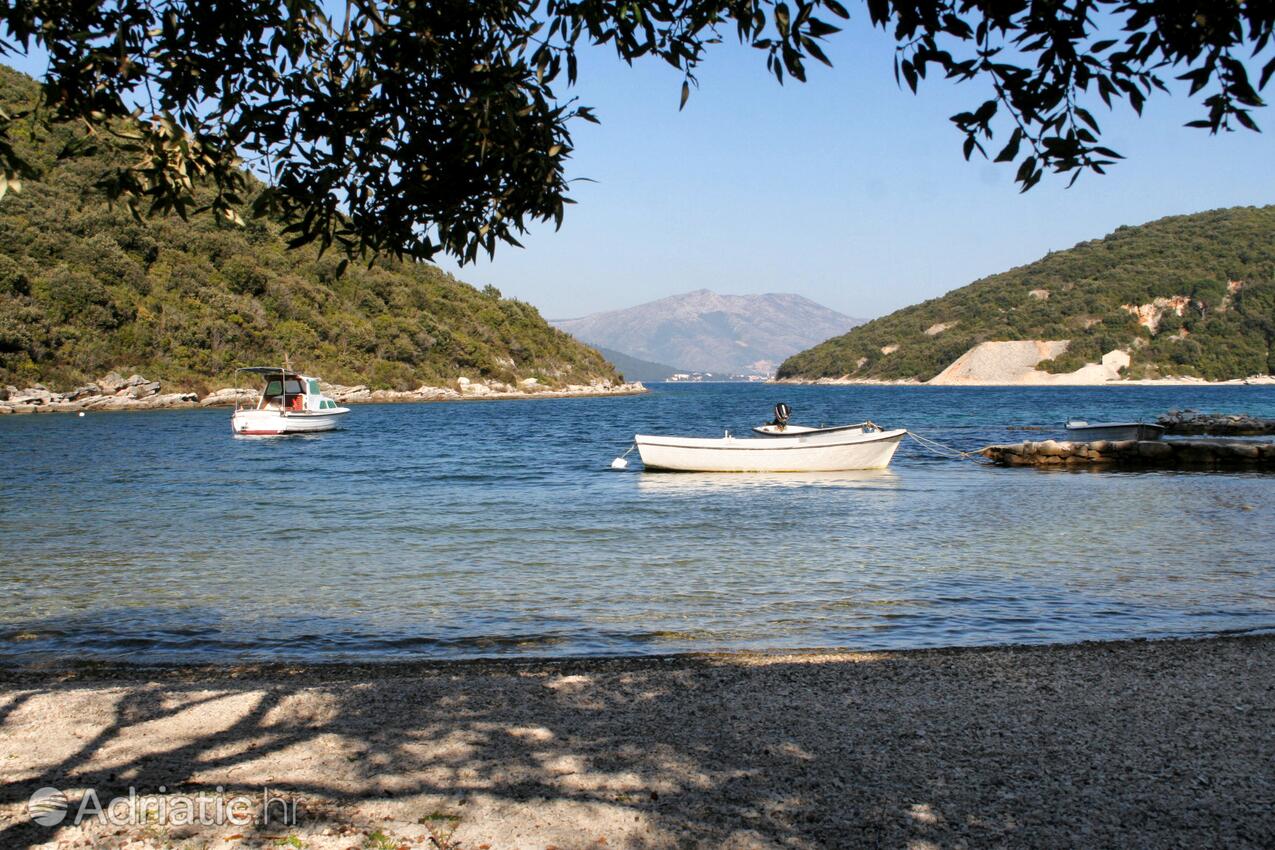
[(1148, 744)]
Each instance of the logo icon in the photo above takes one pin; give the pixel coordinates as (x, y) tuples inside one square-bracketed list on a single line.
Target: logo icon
[(47, 807)]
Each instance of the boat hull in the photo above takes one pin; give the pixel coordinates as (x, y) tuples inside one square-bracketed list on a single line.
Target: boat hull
[(817, 453), (1114, 431), (274, 423)]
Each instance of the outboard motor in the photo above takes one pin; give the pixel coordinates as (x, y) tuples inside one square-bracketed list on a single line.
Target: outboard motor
[(782, 414)]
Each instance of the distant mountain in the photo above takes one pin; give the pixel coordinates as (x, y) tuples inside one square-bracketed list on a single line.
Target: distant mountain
[(1190, 295), (637, 369), (704, 331)]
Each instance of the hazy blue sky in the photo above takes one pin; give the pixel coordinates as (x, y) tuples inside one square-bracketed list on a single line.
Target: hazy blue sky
[(845, 189)]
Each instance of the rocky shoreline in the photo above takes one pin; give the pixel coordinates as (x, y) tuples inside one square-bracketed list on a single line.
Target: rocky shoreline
[(1252, 380), (114, 392)]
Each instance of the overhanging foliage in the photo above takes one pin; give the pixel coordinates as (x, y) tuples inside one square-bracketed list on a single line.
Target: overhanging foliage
[(423, 127)]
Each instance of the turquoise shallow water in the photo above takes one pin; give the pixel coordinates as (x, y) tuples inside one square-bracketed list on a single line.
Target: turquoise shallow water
[(477, 529)]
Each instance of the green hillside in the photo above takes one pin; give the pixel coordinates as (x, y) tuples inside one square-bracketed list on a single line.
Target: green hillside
[(1217, 268), (85, 289)]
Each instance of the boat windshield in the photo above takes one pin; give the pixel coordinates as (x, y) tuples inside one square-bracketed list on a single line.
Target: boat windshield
[(289, 388), (314, 387)]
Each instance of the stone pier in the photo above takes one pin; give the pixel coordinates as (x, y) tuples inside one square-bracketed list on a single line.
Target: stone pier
[(1170, 454), (1219, 424)]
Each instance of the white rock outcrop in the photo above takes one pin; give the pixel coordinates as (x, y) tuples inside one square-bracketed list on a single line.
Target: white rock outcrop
[(1150, 315), (1014, 363), (229, 397)]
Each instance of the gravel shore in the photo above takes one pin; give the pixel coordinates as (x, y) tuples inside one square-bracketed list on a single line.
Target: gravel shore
[(1128, 744)]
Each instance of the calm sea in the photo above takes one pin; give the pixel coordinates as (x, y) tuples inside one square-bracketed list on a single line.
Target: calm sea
[(479, 529)]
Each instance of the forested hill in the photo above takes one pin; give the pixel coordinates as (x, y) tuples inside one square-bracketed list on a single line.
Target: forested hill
[(1190, 295), (85, 289)]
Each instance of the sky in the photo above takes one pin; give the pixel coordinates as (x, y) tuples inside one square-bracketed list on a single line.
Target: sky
[(845, 189)]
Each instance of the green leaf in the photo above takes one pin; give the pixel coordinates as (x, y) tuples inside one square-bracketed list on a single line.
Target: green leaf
[(1025, 170), (909, 74), (1009, 153), (1267, 72), (836, 8), (782, 19), (1244, 118)]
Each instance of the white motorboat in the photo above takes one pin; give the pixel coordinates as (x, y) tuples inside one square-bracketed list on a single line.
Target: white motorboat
[(290, 403), (822, 450), (1082, 431)]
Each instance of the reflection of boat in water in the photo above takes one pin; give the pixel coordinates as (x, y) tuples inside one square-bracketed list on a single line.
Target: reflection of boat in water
[(692, 482), (1082, 431), (290, 403), (785, 448)]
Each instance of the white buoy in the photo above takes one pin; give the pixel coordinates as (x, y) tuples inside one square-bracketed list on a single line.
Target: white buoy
[(81, 412), (620, 462)]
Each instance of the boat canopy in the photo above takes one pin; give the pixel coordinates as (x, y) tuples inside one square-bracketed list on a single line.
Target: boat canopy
[(283, 382), (270, 370)]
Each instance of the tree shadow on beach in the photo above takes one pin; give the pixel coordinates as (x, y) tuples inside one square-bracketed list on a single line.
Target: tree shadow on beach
[(1018, 747)]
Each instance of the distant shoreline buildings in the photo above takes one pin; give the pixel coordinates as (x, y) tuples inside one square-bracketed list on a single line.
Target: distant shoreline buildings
[(710, 378)]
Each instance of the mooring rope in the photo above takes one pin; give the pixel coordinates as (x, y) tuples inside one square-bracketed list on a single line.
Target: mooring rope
[(945, 451)]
